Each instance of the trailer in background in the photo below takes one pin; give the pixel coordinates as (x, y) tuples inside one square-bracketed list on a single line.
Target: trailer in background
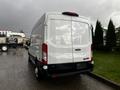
[(11, 39)]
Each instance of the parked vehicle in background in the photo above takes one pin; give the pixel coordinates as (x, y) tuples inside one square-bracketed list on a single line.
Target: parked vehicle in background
[(3, 40), (16, 38), (26, 43), (61, 45), (11, 39)]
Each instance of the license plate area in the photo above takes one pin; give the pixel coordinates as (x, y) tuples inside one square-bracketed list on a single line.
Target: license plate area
[(81, 65)]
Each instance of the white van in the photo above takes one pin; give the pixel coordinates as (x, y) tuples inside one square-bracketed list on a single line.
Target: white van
[(61, 45)]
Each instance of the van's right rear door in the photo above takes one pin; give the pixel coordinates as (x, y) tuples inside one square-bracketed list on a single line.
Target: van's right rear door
[(81, 40)]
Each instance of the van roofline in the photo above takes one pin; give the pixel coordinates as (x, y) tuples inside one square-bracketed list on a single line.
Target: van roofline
[(60, 13)]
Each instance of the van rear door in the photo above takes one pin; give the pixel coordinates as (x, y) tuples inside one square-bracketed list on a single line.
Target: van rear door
[(68, 40), (59, 40), (81, 40)]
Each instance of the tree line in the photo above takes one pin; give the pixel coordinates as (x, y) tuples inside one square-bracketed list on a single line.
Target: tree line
[(104, 39)]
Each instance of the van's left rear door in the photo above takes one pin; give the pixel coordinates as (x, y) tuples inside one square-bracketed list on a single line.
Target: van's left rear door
[(59, 40)]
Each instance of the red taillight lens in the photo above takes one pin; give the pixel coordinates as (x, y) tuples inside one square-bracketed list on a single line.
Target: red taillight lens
[(91, 53), (44, 53)]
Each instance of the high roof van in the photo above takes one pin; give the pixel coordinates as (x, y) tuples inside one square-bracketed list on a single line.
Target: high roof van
[(60, 44)]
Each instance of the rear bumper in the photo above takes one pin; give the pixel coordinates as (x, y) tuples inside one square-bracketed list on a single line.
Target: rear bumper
[(56, 70)]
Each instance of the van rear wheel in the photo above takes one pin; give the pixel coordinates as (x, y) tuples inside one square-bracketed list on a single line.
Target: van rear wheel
[(29, 59), (38, 73)]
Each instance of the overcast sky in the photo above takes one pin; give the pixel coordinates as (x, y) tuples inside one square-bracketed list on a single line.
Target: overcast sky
[(23, 14)]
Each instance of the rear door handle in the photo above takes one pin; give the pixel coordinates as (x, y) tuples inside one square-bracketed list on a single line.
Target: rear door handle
[(78, 49)]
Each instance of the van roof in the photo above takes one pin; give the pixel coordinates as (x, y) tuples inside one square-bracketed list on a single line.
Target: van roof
[(60, 13)]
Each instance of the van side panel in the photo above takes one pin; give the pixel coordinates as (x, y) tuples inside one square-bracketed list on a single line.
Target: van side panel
[(37, 38)]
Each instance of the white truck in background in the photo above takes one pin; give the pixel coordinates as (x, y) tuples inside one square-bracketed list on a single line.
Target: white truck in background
[(10, 39), (16, 38)]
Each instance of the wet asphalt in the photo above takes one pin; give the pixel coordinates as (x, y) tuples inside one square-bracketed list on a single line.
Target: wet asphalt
[(17, 74)]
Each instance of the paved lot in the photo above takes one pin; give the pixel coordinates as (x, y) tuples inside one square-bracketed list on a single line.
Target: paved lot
[(17, 74)]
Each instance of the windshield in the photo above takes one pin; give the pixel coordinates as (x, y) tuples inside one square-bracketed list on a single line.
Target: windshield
[(63, 32)]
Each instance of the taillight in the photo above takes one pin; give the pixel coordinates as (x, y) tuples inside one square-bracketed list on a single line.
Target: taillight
[(91, 52), (70, 14), (44, 53), (92, 55)]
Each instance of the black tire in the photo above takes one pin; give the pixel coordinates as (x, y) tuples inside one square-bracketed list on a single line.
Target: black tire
[(4, 48), (16, 40), (38, 73), (29, 59)]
